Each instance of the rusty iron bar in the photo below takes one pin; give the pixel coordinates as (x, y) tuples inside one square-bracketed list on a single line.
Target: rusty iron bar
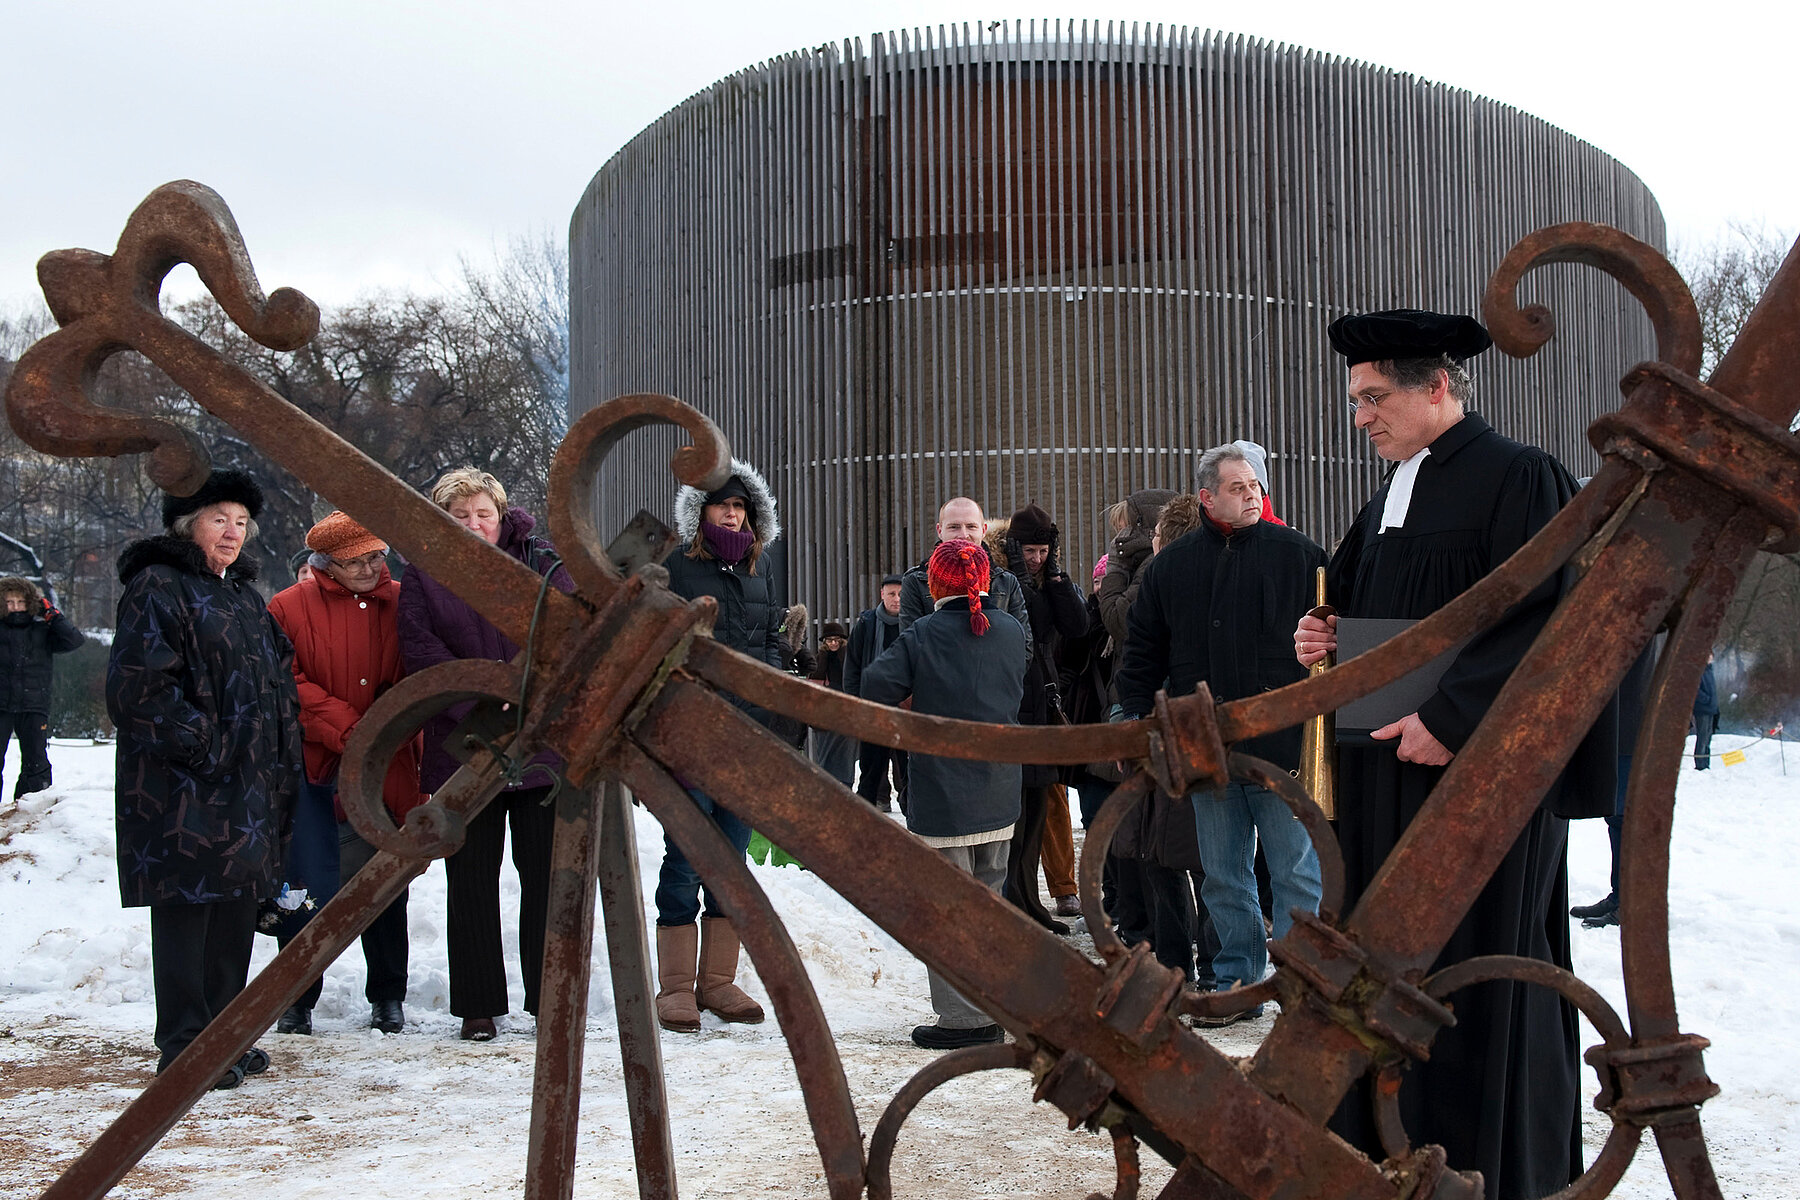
[(618, 685), (563, 991), (954, 1065), (171, 1094), (634, 997), (777, 962)]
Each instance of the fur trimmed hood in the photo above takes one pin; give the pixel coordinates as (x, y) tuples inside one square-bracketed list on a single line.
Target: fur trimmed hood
[(765, 518), (18, 583), (181, 553)]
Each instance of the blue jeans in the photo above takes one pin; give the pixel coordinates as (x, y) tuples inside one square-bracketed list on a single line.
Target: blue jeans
[(1227, 824), (678, 887)]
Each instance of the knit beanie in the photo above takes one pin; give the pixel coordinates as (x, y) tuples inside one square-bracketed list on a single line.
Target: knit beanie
[(833, 629), (961, 569), (1100, 567), (1031, 526), (339, 536)]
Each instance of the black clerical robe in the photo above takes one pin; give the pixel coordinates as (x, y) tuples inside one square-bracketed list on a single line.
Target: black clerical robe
[(1500, 1091)]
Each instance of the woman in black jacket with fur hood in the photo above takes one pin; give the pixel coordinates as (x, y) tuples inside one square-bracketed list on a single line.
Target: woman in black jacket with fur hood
[(724, 535)]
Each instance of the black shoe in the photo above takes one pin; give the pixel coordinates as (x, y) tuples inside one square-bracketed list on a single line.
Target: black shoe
[(295, 1020), (254, 1062), (233, 1076), (1599, 908), (1602, 921), (936, 1037), (387, 1016)]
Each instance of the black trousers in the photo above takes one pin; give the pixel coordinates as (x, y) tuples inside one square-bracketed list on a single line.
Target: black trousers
[(1704, 726), (477, 965), (1021, 886), (199, 962), (33, 731), (1181, 930), (384, 942), (872, 761)]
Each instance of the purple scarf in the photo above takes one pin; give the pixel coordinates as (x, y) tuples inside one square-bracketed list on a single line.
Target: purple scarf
[(729, 544)]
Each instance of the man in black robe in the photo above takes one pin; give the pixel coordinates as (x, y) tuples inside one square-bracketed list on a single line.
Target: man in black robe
[(1500, 1091)]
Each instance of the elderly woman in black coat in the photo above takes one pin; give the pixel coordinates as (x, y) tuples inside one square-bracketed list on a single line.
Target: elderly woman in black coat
[(201, 689), (726, 534)]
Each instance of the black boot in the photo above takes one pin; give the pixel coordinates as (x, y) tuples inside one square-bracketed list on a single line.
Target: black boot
[(387, 1016), (1599, 909), (295, 1020)]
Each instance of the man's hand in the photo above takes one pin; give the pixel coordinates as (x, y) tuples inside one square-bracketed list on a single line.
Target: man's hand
[(1314, 639), (1416, 743)]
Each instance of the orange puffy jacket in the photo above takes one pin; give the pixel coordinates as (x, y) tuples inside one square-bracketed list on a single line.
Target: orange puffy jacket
[(346, 653)]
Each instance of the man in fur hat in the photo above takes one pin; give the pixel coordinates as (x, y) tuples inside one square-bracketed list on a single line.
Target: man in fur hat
[(1030, 547)]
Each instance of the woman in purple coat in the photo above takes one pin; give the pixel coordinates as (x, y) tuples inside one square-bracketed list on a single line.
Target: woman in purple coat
[(436, 626)]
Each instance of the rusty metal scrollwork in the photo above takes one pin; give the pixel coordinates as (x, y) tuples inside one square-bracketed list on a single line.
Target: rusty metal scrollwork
[(623, 682)]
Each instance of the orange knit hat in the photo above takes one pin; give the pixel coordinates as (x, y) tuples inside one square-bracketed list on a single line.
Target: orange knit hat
[(341, 537), (961, 569)]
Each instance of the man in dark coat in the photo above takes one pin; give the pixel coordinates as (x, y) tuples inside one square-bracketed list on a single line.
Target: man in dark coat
[(201, 689), (1030, 547), (1216, 607), (875, 630), (967, 661), (1500, 1090), (1706, 717), (31, 631)]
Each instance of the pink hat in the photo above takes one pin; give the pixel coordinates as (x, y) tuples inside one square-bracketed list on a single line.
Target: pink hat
[(1100, 568)]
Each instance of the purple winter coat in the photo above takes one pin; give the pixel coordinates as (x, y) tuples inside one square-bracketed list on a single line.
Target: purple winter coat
[(437, 625)]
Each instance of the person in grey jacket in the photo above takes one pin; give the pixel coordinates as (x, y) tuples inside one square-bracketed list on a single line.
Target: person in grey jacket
[(966, 661), (961, 519)]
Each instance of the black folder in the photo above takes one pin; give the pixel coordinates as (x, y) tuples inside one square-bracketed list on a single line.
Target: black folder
[(1357, 719)]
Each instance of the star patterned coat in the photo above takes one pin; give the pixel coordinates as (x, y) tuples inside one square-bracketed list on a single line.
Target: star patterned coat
[(201, 689)]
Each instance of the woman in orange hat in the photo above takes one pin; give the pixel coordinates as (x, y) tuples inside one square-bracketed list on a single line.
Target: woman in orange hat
[(343, 622)]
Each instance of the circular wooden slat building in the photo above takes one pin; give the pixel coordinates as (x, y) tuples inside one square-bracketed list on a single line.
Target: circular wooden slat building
[(1055, 262)]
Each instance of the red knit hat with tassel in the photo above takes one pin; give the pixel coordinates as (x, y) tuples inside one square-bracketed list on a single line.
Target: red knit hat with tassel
[(961, 569)]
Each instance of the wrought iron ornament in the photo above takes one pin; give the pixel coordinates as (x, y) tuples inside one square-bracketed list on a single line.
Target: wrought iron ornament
[(623, 681)]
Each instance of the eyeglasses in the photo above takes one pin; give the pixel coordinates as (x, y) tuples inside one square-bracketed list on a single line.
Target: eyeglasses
[(360, 566), (1371, 399)]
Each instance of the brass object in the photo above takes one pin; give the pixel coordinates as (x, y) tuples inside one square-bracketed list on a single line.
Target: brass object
[(1318, 740)]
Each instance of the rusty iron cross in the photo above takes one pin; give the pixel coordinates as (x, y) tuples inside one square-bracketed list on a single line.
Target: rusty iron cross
[(624, 682)]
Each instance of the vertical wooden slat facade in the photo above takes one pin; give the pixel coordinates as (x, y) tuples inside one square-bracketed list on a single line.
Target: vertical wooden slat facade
[(1055, 261)]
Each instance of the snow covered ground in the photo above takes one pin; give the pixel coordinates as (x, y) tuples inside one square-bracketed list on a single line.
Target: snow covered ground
[(424, 1113)]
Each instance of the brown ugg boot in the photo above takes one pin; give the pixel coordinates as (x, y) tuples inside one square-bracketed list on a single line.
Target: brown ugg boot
[(676, 946), (718, 967)]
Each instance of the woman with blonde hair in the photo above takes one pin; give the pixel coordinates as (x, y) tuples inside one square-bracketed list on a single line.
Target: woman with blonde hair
[(437, 625)]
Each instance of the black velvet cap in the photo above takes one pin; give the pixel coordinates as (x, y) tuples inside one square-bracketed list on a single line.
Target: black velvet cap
[(887, 579), (220, 486), (1407, 333)]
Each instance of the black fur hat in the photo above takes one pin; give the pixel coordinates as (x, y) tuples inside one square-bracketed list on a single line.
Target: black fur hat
[(220, 487)]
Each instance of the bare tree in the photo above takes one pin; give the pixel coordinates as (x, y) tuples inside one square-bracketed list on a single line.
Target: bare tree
[(419, 383), (1760, 661)]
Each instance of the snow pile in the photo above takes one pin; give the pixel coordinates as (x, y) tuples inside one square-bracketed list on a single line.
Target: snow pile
[(350, 1108)]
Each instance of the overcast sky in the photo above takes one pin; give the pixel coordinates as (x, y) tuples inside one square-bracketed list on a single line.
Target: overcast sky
[(370, 144)]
